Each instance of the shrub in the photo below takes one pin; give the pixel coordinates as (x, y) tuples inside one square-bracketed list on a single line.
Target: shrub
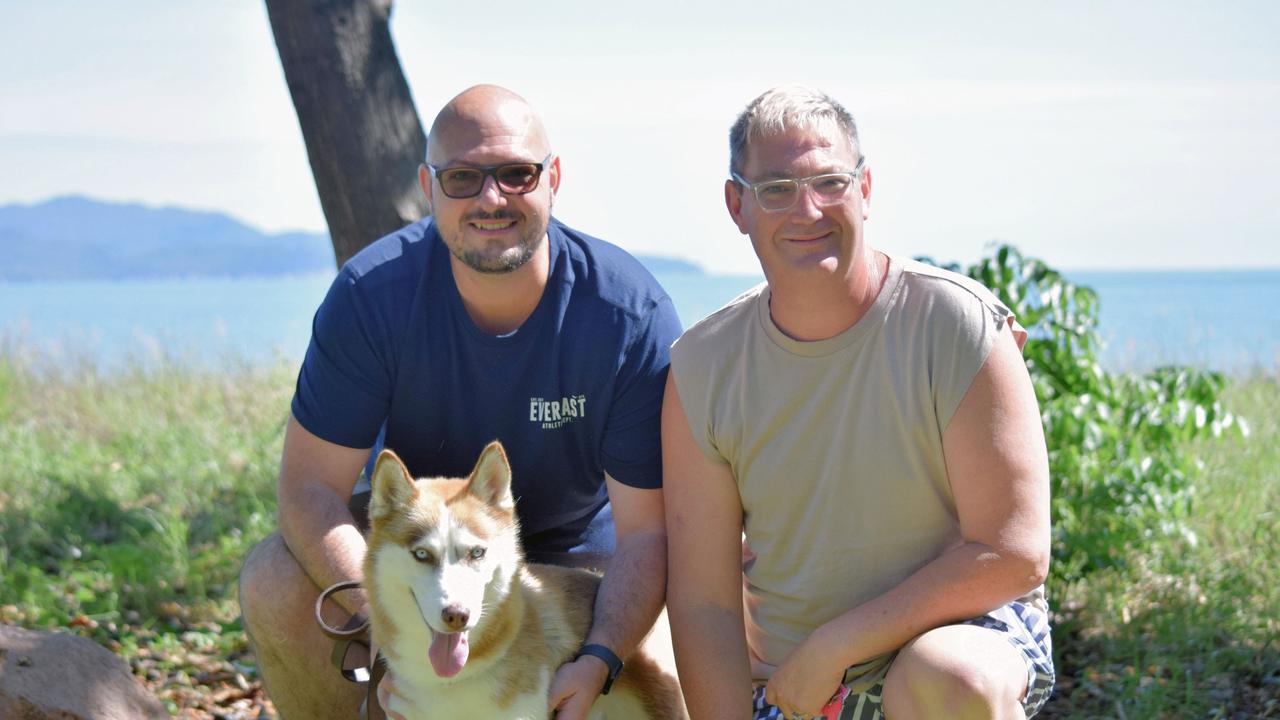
[(1120, 474)]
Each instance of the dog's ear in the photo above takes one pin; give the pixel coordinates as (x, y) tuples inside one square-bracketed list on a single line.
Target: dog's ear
[(392, 485), (491, 480)]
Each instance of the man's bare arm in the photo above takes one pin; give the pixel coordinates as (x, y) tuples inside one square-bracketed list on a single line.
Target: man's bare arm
[(704, 593), (629, 598), (634, 585), (316, 479)]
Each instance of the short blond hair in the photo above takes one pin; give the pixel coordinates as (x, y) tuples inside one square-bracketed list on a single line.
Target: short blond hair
[(784, 108)]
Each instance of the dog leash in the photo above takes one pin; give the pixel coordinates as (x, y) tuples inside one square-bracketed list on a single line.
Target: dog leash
[(354, 632)]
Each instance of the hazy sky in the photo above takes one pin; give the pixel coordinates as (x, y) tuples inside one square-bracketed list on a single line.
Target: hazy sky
[(1090, 134)]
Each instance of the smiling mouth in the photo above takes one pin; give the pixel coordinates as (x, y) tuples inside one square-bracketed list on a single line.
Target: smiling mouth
[(809, 238), (491, 221)]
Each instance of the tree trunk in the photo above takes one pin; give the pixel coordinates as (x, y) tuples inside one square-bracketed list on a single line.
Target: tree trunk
[(363, 135)]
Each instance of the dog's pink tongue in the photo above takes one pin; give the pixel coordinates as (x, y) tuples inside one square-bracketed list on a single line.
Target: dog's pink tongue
[(448, 653)]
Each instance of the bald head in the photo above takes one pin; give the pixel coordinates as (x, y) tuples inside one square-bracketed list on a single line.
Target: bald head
[(490, 134), (485, 115)]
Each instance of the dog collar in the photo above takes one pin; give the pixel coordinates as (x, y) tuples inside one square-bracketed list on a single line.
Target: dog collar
[(609, 658)]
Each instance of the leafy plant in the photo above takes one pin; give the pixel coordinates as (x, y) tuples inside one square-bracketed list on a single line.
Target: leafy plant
[(1116, 442)]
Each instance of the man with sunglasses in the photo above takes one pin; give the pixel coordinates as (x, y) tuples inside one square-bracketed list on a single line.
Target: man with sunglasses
[(490, 319), (855, 472)]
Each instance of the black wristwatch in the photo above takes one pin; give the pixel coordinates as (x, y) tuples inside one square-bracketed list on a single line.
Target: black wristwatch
[(605, 654)]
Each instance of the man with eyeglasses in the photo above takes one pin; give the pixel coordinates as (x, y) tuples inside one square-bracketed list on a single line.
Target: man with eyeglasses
[(854, 468), (490, 319)]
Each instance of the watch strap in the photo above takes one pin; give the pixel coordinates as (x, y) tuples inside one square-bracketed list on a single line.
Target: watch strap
[(609, 658)]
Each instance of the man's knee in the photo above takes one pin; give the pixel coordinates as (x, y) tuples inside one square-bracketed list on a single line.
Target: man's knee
[(277, 605), (928, 692), (265, 590), (967, 672)]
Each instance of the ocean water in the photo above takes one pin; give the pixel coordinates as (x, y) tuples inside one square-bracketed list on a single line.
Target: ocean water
[(1223, 320)]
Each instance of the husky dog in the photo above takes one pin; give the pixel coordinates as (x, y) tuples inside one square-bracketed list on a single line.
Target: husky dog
[(469, 628)]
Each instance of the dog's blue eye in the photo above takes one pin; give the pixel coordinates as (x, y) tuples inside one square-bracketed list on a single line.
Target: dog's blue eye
[(476, 553), (423, 555)]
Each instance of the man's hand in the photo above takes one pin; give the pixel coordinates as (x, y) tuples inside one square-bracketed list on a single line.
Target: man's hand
[(575, 687), (805, 681)]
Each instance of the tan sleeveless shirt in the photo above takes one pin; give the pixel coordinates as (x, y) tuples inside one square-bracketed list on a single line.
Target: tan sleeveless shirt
[(836, 445)]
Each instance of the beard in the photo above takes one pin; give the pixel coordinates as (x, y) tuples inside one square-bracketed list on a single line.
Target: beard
[(492, 259)]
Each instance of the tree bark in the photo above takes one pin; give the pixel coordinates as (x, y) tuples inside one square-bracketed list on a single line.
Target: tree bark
[(363, 135)]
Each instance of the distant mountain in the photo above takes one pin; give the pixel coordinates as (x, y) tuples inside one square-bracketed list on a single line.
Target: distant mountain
[(670, 266), (78, 238)]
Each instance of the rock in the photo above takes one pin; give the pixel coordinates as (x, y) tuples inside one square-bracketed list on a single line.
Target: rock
[(53, 676)]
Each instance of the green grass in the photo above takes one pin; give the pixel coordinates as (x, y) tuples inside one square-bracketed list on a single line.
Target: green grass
[(128, 501), (1189, 628)]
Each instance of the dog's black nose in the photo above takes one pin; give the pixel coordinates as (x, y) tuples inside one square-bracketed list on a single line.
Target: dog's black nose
[(455, 617)]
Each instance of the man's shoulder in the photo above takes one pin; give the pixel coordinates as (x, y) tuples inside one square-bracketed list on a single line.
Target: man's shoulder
[(405, 251), (946, 286), (948, 301), (725, 329), (383, 278), (607, 272)]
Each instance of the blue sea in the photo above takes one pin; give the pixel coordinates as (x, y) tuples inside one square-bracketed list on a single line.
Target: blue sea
[(1223, 320)]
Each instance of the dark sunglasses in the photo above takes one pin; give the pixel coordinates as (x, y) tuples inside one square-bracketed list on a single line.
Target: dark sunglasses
[(512, 179)]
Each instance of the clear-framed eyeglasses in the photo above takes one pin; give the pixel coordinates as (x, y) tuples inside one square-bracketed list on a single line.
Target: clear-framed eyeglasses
[(779, 195)]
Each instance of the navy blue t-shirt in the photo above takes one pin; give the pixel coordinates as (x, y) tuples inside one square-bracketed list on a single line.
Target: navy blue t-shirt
[(574, 393)]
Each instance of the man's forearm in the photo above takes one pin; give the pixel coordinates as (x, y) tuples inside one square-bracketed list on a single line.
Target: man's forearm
[(966, 581), (318, 529), (631, 593), (711, 654)]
